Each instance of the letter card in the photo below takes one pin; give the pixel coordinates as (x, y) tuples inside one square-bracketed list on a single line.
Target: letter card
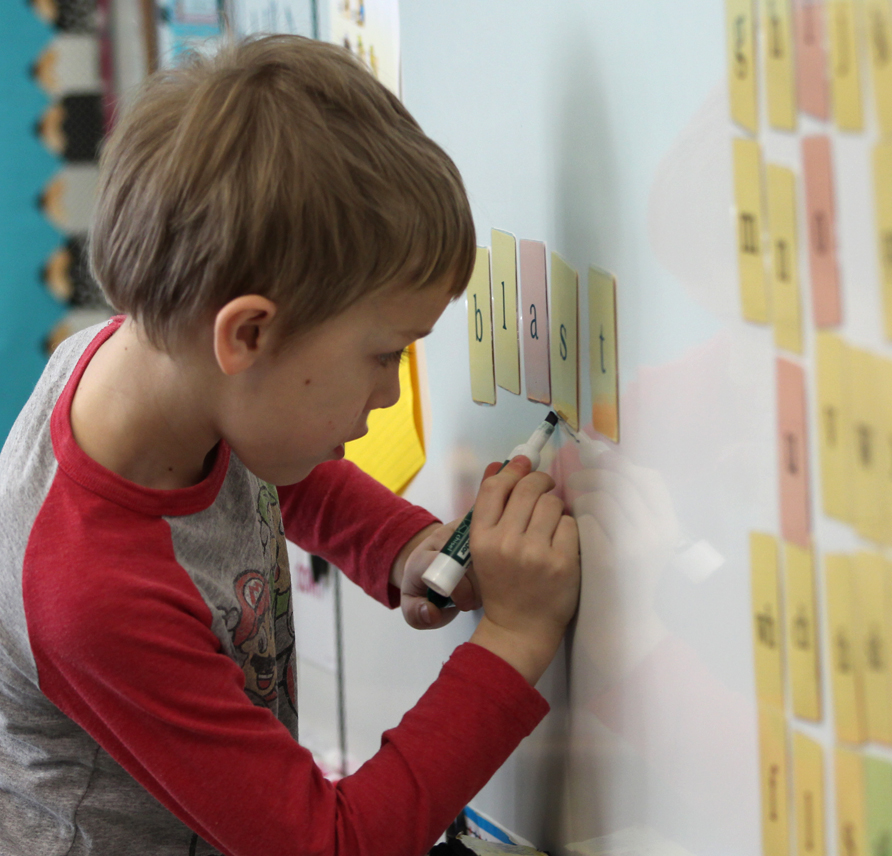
[(565, 341), (535, 321), (483, 383)]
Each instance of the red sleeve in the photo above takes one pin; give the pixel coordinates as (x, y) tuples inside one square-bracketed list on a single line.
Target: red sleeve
[(340, 513), (124, 647)]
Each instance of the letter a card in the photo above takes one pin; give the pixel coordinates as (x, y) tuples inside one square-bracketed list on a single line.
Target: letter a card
[(535, 321)]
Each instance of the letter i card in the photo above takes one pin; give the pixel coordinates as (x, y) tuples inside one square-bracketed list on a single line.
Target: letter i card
[(773, 764), (845, 80), (808, 795)]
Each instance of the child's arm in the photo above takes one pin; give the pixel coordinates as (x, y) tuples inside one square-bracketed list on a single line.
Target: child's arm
[(340, 513)]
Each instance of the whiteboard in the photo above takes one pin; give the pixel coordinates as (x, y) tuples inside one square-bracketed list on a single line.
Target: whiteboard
[(602, 128)]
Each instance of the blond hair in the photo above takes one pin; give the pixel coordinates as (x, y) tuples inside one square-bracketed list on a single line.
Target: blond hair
[(279, 167)]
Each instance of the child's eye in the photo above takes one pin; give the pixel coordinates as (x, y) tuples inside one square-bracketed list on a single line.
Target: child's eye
[(393, 357)]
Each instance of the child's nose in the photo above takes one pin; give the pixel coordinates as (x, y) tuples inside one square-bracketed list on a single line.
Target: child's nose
[(388, 393)]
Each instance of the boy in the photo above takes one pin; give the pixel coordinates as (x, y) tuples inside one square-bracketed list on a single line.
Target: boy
[(277, 230)]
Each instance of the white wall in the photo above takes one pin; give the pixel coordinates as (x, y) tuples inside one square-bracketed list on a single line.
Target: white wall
[(603, 129)]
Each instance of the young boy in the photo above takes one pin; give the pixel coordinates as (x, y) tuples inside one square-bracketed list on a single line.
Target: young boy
[(276, 229)]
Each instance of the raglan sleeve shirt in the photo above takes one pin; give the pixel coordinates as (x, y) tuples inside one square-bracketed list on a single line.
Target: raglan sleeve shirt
[(127, 647)]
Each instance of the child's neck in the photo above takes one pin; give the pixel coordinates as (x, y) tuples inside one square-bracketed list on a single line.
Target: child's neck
[(143, 415)]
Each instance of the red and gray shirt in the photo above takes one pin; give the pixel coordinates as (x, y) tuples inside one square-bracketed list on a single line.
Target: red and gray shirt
[(147, 660)]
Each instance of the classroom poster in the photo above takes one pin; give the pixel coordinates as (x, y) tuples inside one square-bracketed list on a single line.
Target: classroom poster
[(296, 17), (370, 29)]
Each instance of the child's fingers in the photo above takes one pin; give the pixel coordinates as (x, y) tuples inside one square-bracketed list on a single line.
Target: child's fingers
[(545, 517), (466, 595), (421, 614), (523, 500), (495, 490), (566, 536)]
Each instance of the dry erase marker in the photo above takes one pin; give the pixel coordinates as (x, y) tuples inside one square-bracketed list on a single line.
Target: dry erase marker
[(452, 561)]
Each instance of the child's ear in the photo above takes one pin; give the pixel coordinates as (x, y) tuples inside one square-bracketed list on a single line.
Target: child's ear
[(242, 331)]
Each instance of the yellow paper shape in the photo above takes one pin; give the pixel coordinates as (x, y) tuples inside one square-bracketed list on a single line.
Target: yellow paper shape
[(505, 318), (774, 781), (785, 301), (883, 367), (834, 420), (750, 225), (878, 805), (845, 75), (393, 450), (871, 577), (767, 619), (483, 383), (565, 341), (868, 489), (808, 795), (882, 195), (846, 677), (850, 808), (742, 63), (603, 371), (802, 631), (879, 40), (780, 68)]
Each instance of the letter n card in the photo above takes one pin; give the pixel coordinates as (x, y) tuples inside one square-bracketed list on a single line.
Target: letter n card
[(792, 453)]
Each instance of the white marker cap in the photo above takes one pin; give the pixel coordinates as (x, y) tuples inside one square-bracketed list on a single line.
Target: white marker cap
[(526, 449), (443, 574)]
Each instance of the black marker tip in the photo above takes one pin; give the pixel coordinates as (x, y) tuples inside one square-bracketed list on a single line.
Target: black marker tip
[(552, 418)]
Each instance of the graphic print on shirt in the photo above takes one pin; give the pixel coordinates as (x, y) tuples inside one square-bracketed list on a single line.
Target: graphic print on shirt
[(262, 626)]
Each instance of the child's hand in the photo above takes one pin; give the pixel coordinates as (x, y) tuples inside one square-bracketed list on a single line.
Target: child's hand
[(526, 552), (418, 611)]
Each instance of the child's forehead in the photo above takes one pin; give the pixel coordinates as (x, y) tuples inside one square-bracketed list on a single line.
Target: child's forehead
[(412, 311)]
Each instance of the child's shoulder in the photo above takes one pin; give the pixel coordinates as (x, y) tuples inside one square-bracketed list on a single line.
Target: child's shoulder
[(28, 447)]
